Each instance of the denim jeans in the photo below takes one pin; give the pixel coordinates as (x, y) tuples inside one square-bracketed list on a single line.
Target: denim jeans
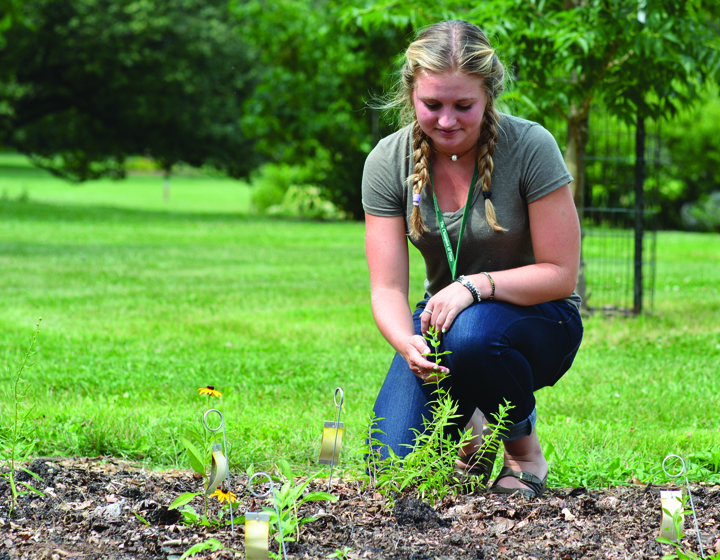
[(499, 351)]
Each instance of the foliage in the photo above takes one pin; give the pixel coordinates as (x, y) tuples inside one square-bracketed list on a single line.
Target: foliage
[(212, 545), (681, 552), (691, 159), (703, 215), (199, 449), (86, 84), (287, 500), (314, 79), (287, 191), (429, 467), (340, 553), (633, 58), (17, 446)]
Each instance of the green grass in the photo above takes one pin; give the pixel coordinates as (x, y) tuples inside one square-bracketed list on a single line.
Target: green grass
[(143, 302)]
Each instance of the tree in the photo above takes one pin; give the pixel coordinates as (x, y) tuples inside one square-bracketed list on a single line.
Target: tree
[(315, 77), (86, 83), (646, 57)]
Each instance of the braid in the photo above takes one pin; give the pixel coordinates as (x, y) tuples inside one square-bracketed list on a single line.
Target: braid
[(486, 142), (420, 177)]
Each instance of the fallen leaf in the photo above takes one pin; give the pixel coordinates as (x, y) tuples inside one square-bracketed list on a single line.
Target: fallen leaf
[(568, 515)]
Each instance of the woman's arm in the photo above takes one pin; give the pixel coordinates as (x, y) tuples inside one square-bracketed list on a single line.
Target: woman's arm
[(555, 231), (388, 262)]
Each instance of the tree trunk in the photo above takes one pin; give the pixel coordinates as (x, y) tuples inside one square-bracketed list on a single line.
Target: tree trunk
[(577, 135)]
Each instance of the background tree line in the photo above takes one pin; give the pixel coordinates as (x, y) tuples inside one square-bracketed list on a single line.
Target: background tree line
[(278, 90)]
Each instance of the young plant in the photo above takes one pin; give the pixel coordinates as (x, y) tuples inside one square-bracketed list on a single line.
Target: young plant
[(198, 446), (18, 446), (430, 465), (288, 499), (341, 553), (213, 545), (681, 552)]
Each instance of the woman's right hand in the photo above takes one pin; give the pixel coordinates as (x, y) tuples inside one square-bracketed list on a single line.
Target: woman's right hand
[(415, 351)]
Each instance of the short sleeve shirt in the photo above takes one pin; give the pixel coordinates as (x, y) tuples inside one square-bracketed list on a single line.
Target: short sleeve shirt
[(527, 165)]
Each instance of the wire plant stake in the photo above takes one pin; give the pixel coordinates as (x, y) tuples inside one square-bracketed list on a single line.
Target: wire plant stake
[(219, 470), (332, 437), (255, 548), (683, 470)]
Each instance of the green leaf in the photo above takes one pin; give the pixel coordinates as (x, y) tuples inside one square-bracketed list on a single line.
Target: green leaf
[(318, 496), (211, 544), (195, 457), (31, 488), (183, 499), (286, 470)]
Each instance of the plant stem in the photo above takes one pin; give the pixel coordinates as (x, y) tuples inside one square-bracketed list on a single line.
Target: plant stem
[(17, 398)]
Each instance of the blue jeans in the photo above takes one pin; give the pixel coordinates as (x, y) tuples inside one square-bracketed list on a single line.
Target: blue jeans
[(499, 351)]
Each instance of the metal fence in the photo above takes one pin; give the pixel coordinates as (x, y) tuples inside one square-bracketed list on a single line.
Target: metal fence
[(619, 228)]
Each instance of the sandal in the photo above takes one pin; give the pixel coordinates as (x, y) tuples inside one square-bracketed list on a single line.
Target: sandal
[(535, 487)]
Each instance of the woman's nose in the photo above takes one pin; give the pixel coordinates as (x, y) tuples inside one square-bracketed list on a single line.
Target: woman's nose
[(446, 120)]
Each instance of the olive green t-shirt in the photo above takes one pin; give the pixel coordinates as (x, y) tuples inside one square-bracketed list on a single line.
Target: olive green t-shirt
[(527, 166)]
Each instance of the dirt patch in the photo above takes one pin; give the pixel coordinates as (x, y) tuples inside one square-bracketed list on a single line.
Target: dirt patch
[(90, 506)]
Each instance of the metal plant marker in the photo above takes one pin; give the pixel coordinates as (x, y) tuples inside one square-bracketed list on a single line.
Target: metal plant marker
[(332, 437), (677, 497), (257, 524), (219, 470), (257, 531)]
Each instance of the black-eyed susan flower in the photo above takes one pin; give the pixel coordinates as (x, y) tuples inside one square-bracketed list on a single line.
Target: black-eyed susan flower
[(210, 391), (224, 496)]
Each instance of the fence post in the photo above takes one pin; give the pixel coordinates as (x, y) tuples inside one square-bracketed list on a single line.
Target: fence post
[(639, 212)]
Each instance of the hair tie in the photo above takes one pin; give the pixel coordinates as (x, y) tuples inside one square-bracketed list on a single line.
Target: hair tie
[(416, 199), (486, 195)]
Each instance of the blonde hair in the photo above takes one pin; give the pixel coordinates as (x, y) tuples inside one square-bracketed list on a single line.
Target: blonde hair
[(450, 46)]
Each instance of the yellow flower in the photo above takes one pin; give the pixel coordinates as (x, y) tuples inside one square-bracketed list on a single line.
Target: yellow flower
[(224, 496), (209, 391)]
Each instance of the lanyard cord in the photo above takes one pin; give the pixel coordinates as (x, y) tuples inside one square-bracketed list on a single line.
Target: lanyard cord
[(452, 258)]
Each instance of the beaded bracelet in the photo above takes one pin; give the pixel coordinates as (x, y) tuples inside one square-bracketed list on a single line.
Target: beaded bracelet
[(470, 286), (492, 295)]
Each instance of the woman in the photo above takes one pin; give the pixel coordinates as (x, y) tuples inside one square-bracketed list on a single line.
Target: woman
[(503, 297)]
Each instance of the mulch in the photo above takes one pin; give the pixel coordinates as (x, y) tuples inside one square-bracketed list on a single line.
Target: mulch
[(100, 508)]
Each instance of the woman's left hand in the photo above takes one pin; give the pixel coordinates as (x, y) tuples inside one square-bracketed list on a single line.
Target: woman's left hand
[(443, 307)]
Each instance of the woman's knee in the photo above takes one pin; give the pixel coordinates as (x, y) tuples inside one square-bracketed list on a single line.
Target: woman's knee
[(474, 333)]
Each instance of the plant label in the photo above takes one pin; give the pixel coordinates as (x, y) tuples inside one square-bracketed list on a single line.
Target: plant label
[(257, 531), (331, 443), (670, 502)]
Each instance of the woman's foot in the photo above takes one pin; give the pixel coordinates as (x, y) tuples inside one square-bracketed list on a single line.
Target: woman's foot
[(474, 460), (524, 456)]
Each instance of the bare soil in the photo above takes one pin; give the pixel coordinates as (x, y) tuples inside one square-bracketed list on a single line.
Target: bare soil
[(90, 506)]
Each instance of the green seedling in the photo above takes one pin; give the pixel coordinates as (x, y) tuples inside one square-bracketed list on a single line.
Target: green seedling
[(288, 499), (19, 445), (429, 467), (681, 552), (341, 553), (198, 447), (213, 545)]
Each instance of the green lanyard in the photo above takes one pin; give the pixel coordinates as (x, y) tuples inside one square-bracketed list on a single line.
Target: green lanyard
[(452, 258)]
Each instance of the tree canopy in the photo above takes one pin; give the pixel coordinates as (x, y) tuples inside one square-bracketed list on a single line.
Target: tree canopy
[(642, 58), (316, 76), (84, 84)]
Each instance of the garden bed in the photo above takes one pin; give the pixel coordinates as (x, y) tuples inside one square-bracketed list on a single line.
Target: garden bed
[(87, 513)]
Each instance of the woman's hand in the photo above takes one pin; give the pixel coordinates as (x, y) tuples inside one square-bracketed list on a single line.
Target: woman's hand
[(414, 351), (443, 307)]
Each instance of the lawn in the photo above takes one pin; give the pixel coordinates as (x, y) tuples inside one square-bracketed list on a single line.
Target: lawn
[(144, 300)]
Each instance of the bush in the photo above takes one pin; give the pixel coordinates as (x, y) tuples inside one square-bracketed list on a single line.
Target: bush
[(271, 181), (306, 201), (286, 190), (703, 215)]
